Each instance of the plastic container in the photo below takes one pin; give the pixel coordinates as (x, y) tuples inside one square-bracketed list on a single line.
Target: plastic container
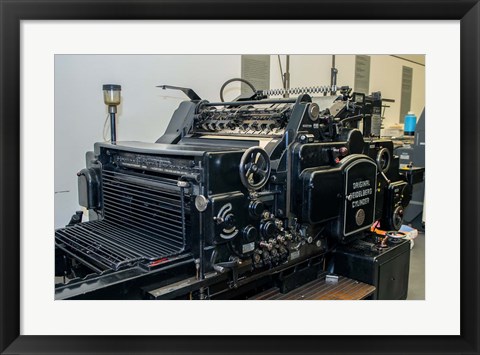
[(410, 123)]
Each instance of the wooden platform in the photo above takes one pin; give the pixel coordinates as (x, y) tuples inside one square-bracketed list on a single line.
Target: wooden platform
[(319, 289)]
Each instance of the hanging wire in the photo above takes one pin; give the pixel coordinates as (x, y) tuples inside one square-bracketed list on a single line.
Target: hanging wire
[(105, 139)]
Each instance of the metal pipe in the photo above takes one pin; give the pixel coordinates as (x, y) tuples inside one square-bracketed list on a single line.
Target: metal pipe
[(201, 237), (287, 77), (251, 102), (113, 126), (184, 229), (289, 176), (333, 75), (201, 246)]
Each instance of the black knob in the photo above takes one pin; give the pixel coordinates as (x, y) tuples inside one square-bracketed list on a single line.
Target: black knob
[(268, 229), (229, 220), (250, 233), (256, 208)]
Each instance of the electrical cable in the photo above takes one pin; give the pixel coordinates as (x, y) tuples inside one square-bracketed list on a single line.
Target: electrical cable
[(104, 128), (231, 81)]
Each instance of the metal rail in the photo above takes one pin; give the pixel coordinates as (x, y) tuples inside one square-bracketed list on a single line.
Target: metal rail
[(251, 102)]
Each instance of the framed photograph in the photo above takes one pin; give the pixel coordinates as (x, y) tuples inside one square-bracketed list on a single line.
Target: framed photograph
[(244, 80)]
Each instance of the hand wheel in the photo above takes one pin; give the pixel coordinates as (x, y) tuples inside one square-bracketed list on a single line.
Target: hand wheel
[(383, 160), (254, 168)]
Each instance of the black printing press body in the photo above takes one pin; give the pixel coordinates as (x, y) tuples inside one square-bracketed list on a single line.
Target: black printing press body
[(236, 197)]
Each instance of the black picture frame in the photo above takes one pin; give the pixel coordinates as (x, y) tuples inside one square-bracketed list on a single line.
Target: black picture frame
[(13, 12)]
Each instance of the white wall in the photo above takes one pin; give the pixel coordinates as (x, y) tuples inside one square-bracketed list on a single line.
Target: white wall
[(385, 76), (143, 115), (305, 70)]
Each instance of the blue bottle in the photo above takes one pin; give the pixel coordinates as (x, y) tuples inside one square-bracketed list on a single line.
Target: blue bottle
[(410, 123)]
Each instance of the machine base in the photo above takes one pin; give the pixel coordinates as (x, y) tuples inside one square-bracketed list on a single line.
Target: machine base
[(385, 268)]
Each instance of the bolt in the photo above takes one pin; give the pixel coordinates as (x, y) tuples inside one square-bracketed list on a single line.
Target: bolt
[(343, 151), (269, 246), (278, 223)]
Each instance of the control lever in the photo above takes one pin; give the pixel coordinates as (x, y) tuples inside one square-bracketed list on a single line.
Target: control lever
[(229, 265), (192, 95)]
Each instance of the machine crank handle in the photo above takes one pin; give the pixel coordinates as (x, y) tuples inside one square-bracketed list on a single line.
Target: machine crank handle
[(220, 267)]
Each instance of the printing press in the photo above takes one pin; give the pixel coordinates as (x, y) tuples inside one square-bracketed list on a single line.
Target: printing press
[(240, 196)]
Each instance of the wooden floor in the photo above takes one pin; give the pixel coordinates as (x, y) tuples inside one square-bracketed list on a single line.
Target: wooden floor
[(319, 289)]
